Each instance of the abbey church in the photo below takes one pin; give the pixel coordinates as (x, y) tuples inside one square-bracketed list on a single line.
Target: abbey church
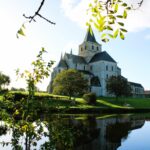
[(95, 64)]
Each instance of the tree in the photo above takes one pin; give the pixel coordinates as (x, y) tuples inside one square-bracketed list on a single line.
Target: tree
[(107, 16), (70, 82), (40, 70), (4, 80), (118, 86)]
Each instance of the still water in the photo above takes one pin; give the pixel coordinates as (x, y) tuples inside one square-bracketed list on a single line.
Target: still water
[(77, 132)]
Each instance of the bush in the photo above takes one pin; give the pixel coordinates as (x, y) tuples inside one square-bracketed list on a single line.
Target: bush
[(90, 98)]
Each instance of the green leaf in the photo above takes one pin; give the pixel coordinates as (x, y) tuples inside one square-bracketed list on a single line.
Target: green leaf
[(23, 26), (124, 4), (116, 7), (119, 16), (96, 25), (105, 40), (103, 35), (21, 32), (128, 8), (121, 23), (111, 36), (90, 5), (125, 14), (112, 17), (111, 22), (109, 28), (123, 30), (122, 36), (116, 33)]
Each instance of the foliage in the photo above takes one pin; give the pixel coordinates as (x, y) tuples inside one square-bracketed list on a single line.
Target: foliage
[(70, 82), (118, 86), (40, 70), (108, 18), (90, 98), (4, 81)]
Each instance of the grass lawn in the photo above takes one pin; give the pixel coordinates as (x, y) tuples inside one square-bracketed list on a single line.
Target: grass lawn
[(122, 102), (48, 100)]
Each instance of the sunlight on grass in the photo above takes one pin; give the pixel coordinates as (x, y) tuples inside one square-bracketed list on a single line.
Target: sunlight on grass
[(110, 104), (80, 100)]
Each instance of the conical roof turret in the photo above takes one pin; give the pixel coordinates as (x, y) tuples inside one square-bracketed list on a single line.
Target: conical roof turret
[(90, 36)]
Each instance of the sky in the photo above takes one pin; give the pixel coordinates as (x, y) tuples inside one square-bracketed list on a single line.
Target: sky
[(131, 54)]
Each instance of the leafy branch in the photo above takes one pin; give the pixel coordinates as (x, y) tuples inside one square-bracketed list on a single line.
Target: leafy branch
[(108, 17), (32, 18)]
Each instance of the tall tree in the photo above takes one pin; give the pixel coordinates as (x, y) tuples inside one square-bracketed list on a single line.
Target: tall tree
[(4, 80), (118, 86), (70, 82)]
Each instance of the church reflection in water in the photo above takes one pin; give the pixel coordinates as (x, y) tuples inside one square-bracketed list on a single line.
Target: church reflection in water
[(58, 132), (107, 134)]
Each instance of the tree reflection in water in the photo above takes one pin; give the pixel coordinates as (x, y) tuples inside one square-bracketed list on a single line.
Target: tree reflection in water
[(60, 132)]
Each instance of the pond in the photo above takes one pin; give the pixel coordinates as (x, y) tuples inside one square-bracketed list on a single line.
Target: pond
[(77, 132)]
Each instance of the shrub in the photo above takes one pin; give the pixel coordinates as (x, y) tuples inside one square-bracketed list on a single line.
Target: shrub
[(90, 98)]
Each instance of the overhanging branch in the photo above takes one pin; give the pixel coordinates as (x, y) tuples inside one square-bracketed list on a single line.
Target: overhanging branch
[(37, 13)]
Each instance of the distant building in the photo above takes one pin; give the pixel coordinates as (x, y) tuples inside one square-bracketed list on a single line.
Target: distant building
[(95, 64), (137, 89), (147, 93)]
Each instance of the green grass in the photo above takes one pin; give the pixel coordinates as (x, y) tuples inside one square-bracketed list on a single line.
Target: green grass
[(122, 102), (50, 100)]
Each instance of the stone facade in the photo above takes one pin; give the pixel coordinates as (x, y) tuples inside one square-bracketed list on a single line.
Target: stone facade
[(97, 65)]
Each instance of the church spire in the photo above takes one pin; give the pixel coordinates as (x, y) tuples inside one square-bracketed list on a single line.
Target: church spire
[(90, 36), (61, 57), (71, 51)]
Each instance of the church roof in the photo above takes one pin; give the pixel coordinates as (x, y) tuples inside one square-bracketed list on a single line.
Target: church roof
[(62, 63), (90, 36), (76, 59), (102, 56), (136, 84)]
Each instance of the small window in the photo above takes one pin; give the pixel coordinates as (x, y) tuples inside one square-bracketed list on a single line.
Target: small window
[(91, 67), (97, 48), (106, 68), (112, 68), (107, 76), (92, 47), (84, 67), (81, 49), (85, 47)]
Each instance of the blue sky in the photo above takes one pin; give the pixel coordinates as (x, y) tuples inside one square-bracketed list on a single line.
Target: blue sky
[(132, 54)]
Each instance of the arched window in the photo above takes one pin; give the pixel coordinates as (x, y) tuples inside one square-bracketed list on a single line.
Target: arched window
[(106, 68), (92, 47), (84, 67), (91, 67), (107, 76)]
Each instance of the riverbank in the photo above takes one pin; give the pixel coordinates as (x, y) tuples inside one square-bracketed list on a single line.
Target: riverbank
[(62, 104)]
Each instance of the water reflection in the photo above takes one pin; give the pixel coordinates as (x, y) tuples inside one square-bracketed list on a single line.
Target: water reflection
[(61, 132)]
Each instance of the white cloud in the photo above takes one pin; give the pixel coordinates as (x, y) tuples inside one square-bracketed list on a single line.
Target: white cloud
[(76, 10), (137, 20)]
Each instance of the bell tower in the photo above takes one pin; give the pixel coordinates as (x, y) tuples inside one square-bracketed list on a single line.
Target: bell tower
[(90, 46)]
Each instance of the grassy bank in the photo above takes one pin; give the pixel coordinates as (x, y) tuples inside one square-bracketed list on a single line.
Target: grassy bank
[(57, 103)]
